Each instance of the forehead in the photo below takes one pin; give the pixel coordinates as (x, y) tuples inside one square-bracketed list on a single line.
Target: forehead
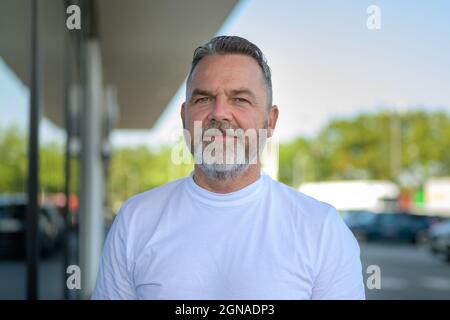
[(227, 71)]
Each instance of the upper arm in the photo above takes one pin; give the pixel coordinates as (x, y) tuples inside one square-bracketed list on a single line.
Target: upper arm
[(339, 265), (114, 280)]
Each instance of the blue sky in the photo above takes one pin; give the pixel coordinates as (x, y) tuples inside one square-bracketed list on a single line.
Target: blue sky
[(325, 63), (14, 106)]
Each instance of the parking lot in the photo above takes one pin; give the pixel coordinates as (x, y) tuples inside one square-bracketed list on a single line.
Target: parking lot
[(407, 272)]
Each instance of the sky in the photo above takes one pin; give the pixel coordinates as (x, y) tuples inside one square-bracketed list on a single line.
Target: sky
[(325, 63), (14, 106)]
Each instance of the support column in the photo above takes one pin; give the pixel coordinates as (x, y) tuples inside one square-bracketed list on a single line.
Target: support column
[(92, 173), (32, 217)]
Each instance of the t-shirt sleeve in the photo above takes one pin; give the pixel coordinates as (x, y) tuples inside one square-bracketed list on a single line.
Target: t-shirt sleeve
[(114, 280), (339, 266)]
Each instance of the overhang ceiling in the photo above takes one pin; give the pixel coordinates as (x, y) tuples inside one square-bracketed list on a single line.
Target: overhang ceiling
[(146, 48)]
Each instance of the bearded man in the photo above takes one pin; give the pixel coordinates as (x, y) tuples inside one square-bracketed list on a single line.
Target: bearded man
[(228, 231)]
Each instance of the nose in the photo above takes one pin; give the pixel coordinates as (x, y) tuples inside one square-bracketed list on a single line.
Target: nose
[(220, 110)]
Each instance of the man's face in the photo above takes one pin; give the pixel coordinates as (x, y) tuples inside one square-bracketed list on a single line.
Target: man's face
[(227, 91)]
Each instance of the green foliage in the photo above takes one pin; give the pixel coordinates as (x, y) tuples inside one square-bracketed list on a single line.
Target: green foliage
[(135, 170), (52, 168), (13, 160), (406, 148), (14, 163)]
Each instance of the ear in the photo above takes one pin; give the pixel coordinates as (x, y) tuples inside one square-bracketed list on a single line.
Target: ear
[(272, 119), (183, 113)]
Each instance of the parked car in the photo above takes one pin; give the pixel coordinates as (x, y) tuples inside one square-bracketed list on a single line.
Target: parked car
[(439, 239), (13, 226), (359, 223), (403, 227)]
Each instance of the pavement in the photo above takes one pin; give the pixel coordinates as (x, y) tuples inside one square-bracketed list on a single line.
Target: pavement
[(406, 272)]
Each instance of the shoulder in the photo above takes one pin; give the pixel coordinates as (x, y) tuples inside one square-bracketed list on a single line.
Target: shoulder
[(304, 206), (322, 232), (147, 204), (139, 216), (154, 196), (317, 222)]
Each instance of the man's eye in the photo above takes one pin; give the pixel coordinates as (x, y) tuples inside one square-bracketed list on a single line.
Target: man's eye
[(241, 100), (202, 99)]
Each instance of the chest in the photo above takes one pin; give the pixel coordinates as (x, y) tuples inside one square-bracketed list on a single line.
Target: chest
[(210, 264)]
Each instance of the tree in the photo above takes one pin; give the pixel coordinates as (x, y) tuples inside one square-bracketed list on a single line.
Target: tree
[(370, 145)]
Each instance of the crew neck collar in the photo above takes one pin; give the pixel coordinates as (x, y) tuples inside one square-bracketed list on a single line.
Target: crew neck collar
[(230, 199)]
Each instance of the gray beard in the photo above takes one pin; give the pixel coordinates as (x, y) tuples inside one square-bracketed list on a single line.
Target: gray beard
[(223, 172), (226, 171)]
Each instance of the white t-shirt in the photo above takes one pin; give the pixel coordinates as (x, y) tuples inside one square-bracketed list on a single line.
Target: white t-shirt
[(265, 241)]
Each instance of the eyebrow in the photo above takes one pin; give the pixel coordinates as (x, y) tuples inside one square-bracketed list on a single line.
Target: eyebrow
[(243, 91), (201, 92)]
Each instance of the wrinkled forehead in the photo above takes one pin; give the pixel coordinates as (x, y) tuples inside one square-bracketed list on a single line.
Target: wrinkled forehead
[(226, 72)]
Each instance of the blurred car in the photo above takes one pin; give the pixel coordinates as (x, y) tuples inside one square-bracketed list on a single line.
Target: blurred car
[(359, 223), (399, 227), (439, 239), (13, 226)]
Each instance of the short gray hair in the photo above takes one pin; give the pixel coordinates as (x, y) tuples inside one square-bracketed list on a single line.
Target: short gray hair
[(233, 45)]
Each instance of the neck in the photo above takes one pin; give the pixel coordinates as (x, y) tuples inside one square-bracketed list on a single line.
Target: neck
[(249, 176)]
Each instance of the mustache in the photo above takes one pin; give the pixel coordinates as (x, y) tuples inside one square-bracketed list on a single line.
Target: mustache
[(220, 126)]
